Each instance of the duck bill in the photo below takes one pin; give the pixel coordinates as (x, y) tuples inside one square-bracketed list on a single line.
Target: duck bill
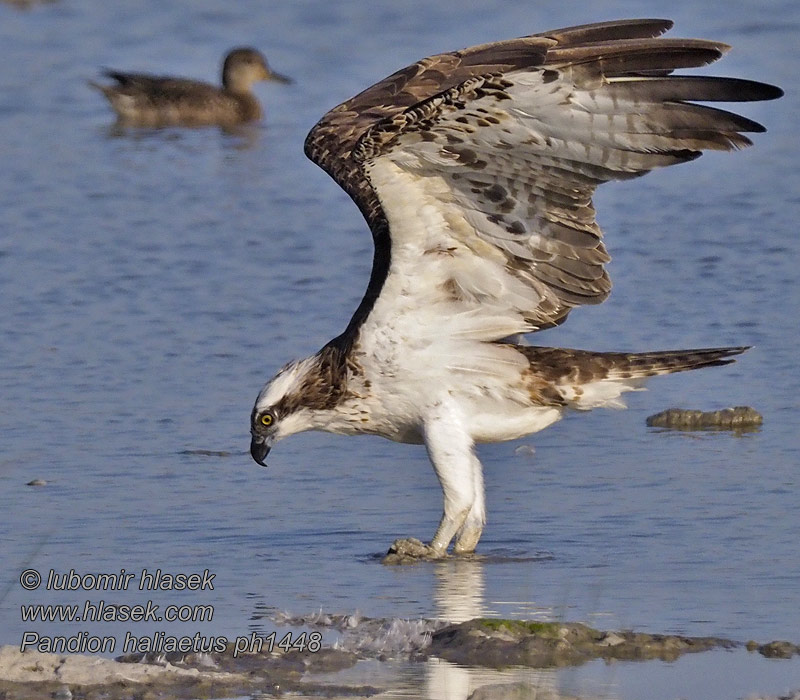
[(278, 78)]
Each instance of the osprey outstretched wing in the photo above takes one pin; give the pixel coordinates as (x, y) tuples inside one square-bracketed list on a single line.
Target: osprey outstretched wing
[(504, 144), (475, 171)]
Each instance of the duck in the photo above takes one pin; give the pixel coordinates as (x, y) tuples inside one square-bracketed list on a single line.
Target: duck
[(146, 100)]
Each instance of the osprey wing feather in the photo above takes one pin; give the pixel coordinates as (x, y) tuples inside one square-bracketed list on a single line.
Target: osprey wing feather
[(475, 169)]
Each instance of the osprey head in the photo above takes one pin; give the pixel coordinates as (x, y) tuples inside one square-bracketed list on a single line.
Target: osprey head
[(298, 398), (278, 410)]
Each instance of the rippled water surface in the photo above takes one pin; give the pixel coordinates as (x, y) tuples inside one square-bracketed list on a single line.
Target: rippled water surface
[(151, 281)]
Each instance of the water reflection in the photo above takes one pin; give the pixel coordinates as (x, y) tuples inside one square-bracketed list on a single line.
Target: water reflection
[(459, 591), (459, 596), (446, 681), (242, 137)]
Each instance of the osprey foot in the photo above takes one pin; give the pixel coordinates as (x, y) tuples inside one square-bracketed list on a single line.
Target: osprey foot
[(409, 551)]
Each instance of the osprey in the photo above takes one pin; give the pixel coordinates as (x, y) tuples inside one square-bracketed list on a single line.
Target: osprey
[(475, 172)]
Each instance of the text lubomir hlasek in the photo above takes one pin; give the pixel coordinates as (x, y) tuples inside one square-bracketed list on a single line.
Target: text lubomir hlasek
[(147, 581)]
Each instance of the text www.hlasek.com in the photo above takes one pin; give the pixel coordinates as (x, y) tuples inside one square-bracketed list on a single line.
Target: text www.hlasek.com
[(105, 612), (159, 642)]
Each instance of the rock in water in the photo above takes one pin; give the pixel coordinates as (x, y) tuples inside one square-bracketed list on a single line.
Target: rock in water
[(737, 418)]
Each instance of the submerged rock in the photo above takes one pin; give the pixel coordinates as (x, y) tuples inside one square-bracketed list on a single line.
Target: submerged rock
[(410, 551), (774, 650), (498, 643), (516, 691), (739, 418)]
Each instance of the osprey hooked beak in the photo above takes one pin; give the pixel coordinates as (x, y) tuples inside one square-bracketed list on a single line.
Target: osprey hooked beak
[(259, 449)]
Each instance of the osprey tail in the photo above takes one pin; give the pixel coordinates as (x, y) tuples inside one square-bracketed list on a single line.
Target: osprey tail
[(648, 364), (583, 380)]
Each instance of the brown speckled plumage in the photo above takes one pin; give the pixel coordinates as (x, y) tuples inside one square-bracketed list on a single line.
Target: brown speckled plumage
[(324, 387), (452, 99), (553, 369)]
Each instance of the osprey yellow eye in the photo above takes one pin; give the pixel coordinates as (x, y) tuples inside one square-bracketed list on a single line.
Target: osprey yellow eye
[(267, 419)]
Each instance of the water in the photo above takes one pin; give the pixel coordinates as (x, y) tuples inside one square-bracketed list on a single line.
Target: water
[(152, 281)]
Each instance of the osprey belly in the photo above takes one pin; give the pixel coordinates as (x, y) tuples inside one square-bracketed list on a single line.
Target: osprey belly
[(500, 426)]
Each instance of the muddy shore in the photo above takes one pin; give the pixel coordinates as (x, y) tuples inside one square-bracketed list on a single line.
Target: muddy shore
[(493, 643)]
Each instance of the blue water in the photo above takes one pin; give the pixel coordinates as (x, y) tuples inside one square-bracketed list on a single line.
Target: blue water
[(152, 281)]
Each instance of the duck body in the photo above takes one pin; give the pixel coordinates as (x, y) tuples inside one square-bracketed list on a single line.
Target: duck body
[(142, 99)]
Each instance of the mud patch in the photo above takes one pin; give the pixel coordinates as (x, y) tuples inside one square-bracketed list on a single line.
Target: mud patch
[(33, 675)]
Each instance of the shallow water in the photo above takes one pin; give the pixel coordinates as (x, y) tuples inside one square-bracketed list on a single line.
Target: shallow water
[(735, 675), (152, 281)]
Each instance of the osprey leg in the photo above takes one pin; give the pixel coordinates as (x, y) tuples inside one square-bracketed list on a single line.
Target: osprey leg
[(469, 534), (450, 449)]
